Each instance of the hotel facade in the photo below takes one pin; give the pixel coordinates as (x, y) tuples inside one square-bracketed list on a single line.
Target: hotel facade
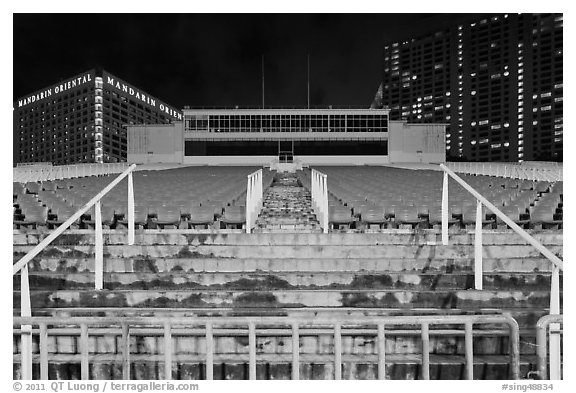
[(83, 119)]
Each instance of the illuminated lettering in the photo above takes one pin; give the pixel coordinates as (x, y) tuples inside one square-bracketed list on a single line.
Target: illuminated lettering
[(76, 82)]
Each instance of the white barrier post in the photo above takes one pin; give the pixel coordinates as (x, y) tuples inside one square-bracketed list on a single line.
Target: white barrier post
[(313, 188), (26, 330), (260, 190), (99, 248), (555, 349), (325, 200), (130, 210), (445, 210), (249, 204), (478, 247)]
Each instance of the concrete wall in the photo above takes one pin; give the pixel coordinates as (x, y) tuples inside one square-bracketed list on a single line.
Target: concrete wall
[(156, 143), (416, 142)]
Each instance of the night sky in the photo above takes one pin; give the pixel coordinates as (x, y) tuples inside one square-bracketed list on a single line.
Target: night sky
[(215, 59)]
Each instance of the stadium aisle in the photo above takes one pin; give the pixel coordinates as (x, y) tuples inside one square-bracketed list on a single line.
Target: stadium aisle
[(287, 206)]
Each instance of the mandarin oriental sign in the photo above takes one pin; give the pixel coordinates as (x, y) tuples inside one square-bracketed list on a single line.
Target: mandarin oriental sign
[(56, 89), (139, 95)]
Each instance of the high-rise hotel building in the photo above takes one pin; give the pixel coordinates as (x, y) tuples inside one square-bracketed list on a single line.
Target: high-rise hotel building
[(496, 83), (83, 119)]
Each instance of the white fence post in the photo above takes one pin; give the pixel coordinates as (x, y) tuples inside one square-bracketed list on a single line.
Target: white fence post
[(325, 201), (99, 248), (478, 247), (249, 204), (555, 349), (130, 209), (26, 330), (445, 210)]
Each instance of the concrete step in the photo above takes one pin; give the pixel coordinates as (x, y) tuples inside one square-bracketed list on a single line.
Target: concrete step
[(286, 206), (286, 280), (361, 367), (309, 265), (292, 251), (402, 299), (207, 237)]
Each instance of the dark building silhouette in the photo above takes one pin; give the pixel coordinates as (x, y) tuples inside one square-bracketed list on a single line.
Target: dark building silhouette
[(496, 83), (83, 119)]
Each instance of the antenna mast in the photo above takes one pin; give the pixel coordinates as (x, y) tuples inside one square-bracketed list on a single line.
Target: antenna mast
[(308, 80), (262, 81)]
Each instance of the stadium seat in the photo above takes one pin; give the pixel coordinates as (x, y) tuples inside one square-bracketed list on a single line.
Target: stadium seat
[(33, 216), (516, 214), (234, 216), (469, 216), (32, 187), (545, 217), (167, 216), (406, 216), (340, 215), (373, 216), (140, 217), (201, 215)]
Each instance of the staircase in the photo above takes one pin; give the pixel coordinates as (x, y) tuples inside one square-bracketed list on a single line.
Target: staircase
[(287, 207), (188, 274)]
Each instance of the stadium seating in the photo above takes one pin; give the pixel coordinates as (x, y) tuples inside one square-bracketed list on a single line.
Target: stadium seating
[(303, 275), (179, 197), (414, 197)]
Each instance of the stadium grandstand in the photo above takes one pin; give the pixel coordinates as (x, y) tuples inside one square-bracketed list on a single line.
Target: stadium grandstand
[(289, 270)]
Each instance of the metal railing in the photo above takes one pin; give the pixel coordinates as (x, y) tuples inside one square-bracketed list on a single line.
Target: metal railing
[(25, 174), (557, 263), (209, 328), (319, 186), (551, 322), (22, 265), (254, 195), (535, 171)]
